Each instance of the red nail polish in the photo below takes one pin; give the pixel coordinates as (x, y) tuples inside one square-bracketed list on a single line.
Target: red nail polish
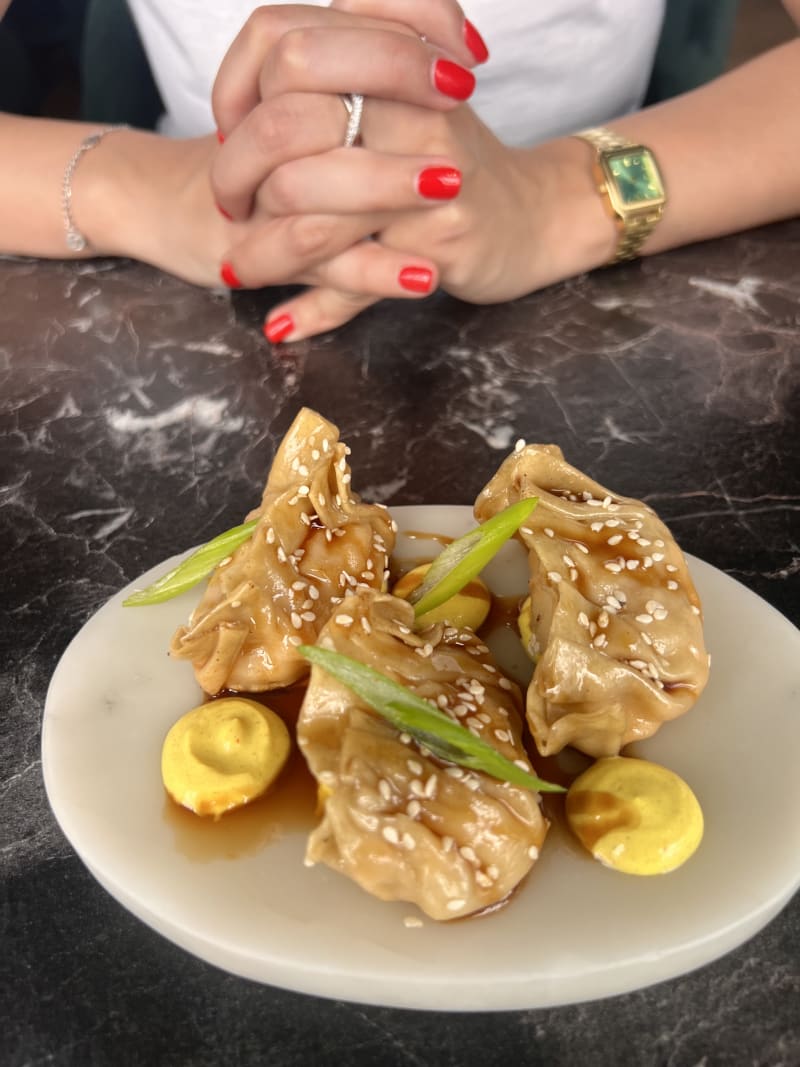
[(439, 183), (276, 329), (221, 135), (228, 275), (416, 279), (453, 80), (475, 43), (224, 213)]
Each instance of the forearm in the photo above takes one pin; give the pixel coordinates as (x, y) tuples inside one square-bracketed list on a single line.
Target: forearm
[(727, 152)]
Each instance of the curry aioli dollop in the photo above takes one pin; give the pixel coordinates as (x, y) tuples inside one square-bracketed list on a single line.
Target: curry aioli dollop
[(223, 754), (635, 816)]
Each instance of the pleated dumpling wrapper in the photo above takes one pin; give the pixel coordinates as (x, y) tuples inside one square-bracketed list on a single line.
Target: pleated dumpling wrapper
[(401, 823), (615, 620), (314, 543)]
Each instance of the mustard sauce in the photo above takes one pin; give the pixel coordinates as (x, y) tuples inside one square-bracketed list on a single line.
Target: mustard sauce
[(223, 754), (470, 607), (634, 816)]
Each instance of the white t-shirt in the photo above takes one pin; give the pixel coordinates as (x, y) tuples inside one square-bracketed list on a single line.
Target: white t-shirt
[(555, 65)]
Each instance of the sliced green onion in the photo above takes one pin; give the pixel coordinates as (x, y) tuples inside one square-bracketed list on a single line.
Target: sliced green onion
[(426, 724), (466, 557), (187, 574)]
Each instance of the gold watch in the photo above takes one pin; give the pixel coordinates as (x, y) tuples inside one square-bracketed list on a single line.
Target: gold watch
[(630, 183)]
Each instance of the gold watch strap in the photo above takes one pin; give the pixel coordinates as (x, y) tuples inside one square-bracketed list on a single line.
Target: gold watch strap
[(636, 227)]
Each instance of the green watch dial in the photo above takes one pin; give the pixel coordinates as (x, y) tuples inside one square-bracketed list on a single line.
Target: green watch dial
[(637, 178)]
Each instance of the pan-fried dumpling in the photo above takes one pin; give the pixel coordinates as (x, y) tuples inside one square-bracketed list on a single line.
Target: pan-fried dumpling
[(401, 823), (615, 619), (315, 542)]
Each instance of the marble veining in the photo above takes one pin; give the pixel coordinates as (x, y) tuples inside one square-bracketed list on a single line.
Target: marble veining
[(139, 415)]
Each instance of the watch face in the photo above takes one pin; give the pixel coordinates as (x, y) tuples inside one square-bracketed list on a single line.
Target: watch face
[(637, 178)]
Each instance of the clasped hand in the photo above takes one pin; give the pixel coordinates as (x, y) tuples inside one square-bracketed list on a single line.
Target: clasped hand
[(430, 197)]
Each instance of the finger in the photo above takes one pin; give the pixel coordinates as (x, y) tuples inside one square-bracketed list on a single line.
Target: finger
[(371, 269), (442, 24), (314, 311), (290, 126), (375, 62), (281, 251), (235, 90), (355, 180)]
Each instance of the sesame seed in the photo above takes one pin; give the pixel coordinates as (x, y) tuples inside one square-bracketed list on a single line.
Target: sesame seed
[(454, 772), (554, 576), (236, 603), (493, 872), (611, 566), (415, 785), (549, 532), (414, 766), (281, 554), (520, 444), (647, 562), (632, 564), (671, 568), (639, 664), (602, 620), (583, 619), (313, 592), (533, 852), (600, 641), (293, 639), (297, 622), (483, 880), (413, 808), (671, 584), (504, 683), (225, 562), (430, 787), (366, 626), (344, 620), (502, 735), (385, 789), (391, 835), (644, 618), (658, 556), (615, 540), (308, 616), (469, 854), (456, 905), (299, 586), (447, 843), (408, 841), (303, 490), (660, 614), (582, 547), (613, 604), (522, 764), (270, 536), (596, 527)]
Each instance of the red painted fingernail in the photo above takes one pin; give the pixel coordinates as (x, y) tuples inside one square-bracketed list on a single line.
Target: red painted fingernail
[(475, 43), (221, 135), (453, 80), (276, 329), (416, 279), (439, 183), (228, 275), (224, 213)]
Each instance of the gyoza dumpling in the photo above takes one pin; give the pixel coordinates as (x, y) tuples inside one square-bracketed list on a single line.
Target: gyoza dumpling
[(398, 821), (314, 543), (615, 619)]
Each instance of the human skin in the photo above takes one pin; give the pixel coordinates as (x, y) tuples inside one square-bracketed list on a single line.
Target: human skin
[(523, 218), (141, 195)]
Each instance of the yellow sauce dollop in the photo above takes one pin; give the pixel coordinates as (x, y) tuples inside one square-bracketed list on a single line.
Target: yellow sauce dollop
[(223, 754), (634, 816), (469, 608)]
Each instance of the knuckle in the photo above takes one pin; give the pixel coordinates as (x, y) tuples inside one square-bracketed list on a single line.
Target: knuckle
[(311, 236), (270, 127), (280, 192), (293, 54)]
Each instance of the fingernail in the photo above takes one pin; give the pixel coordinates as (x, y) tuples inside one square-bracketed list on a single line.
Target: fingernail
[(475, 43), (416, 279), (228, 275), (221, 135), (453, 80), (224, 213), (439, 183), (276, 329)]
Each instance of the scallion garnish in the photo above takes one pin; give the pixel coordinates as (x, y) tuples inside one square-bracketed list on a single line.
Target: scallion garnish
[(466, 557), (425, 723), (187, 574)]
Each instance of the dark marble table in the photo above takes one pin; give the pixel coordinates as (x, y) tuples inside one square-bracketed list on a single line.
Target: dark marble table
[(139, 416)]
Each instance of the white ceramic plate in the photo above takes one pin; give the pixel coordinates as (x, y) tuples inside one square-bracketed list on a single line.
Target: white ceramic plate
[(574, 931)]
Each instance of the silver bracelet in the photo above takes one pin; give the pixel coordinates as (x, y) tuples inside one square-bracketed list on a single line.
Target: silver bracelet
[(76, 242)]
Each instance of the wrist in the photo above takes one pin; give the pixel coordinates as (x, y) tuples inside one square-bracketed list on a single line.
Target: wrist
[(571, 227)]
